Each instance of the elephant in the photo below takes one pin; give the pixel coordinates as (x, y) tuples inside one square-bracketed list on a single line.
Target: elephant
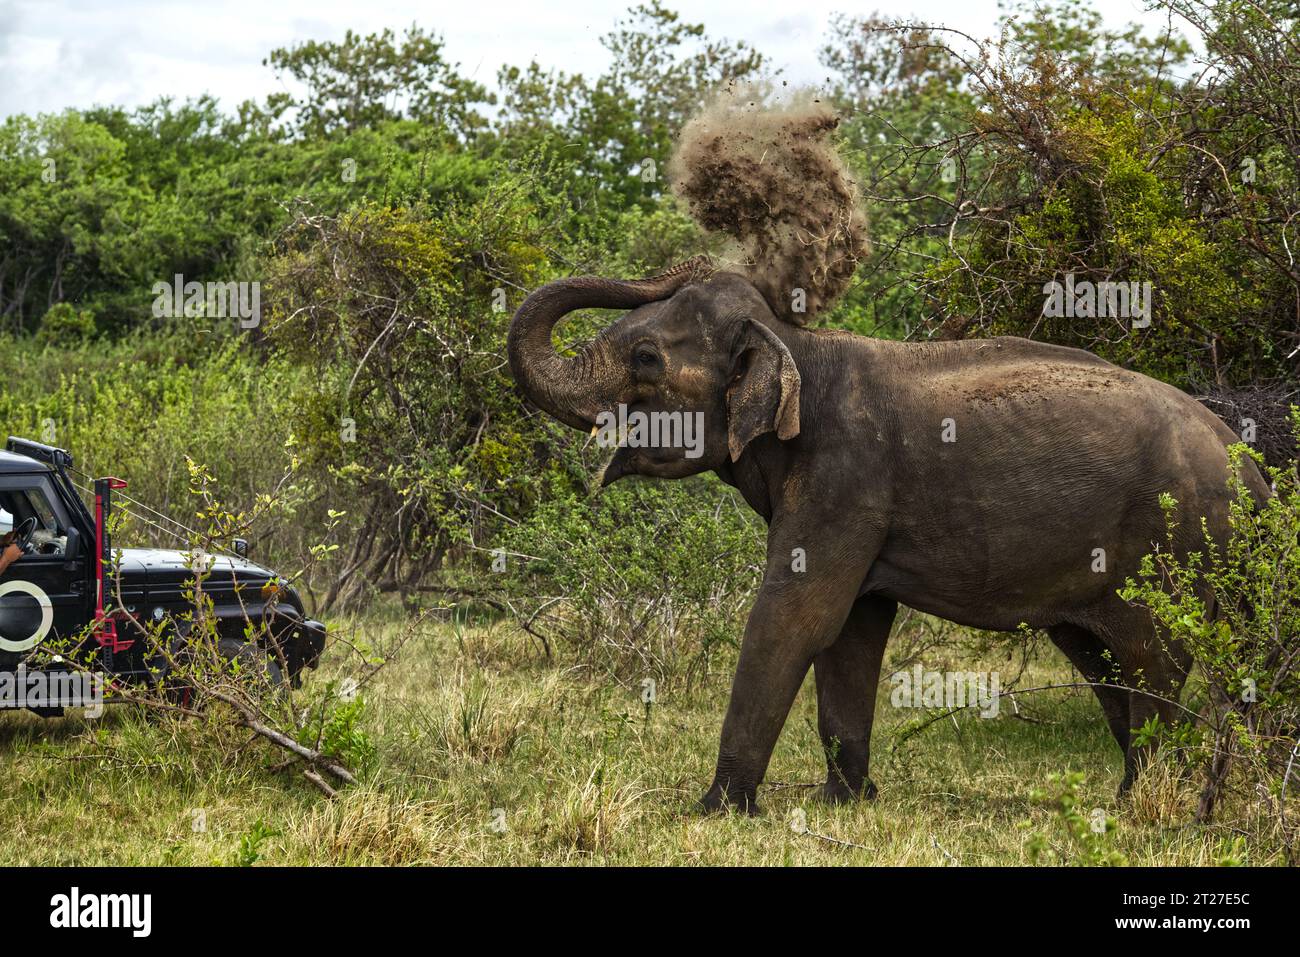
[(979, 481)]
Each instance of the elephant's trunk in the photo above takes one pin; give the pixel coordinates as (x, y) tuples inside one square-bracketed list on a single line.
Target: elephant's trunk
[(575, 390)]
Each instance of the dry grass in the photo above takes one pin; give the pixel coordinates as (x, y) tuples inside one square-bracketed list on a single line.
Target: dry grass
[(486, 754)]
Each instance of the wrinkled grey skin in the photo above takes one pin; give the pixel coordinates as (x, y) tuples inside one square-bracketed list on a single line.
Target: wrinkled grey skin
[(837, 441)]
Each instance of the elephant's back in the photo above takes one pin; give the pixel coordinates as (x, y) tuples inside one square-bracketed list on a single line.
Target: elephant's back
[(1012, 377), (1068, 409)]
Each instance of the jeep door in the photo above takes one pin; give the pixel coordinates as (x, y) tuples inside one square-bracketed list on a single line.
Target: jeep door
[(45, 594)]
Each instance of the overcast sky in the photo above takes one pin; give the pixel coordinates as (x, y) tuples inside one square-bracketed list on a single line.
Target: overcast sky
[(60, 53)]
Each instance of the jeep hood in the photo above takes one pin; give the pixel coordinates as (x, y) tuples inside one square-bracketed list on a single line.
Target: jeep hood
[(163, 575), (160, 564)]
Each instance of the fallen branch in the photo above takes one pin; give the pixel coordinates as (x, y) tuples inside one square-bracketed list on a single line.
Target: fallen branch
[(254, 724), (315, 778)]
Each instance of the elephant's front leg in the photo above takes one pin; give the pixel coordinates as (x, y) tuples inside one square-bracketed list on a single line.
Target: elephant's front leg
[(792, 622), (848, 674)]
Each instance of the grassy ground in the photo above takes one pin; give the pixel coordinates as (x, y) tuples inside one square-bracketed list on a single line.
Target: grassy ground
[(487, 754)]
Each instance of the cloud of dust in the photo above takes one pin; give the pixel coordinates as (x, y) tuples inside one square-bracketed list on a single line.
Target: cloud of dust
[(762, 169)]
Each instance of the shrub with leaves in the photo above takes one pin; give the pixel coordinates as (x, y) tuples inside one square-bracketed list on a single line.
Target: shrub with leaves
[(1065, 148), (644, 580), (402, 315), (1087, 834), (1236, 608), (64, 326)]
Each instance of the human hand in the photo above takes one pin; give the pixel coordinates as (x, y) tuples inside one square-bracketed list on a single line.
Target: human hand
[(9, 555)]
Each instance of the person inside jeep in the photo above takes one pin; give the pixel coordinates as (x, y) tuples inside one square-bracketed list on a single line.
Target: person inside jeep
[(28, 526)]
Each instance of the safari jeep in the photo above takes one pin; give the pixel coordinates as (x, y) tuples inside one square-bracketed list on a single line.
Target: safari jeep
[(70, 585)]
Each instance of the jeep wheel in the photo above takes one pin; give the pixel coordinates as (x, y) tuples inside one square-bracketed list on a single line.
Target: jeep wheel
[(256, 665), (254, 659)]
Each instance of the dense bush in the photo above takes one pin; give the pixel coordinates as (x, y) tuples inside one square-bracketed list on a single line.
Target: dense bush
[(643, 580), (64, 326), (400, 314), (137, 407), (1065, 148)]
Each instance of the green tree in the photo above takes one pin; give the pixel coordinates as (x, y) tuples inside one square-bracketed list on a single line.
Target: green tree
[(363, 81), (617, 128)]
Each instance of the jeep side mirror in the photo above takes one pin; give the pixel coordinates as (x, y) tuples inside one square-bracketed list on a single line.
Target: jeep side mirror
[(72, 547), (240, 545)]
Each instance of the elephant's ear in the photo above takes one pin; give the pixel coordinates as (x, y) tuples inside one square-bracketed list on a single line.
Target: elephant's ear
[(763, 391)]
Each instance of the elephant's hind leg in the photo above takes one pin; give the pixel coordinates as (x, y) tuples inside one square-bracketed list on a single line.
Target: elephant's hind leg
[(1154, 670), (1087, 653), (847, 674)]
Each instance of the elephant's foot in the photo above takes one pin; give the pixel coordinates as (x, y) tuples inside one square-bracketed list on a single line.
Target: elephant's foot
[(1126, 785), (838, 791), (720, 799), (1134, 761)]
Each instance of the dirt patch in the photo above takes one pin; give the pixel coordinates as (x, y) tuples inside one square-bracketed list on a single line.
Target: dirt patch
[(763, 171), (1037, 382)]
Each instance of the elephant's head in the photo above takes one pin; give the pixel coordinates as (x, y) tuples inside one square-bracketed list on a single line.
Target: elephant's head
[(695, 346)]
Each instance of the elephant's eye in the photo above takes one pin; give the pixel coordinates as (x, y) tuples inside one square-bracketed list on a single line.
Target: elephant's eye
[(644, 358)]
